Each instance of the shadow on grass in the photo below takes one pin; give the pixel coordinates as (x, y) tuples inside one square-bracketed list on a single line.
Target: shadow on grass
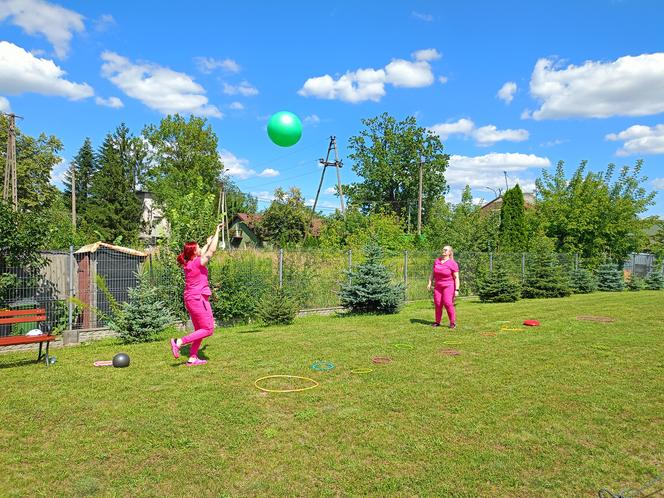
[(420, 321), (251, 331), (18, 363)]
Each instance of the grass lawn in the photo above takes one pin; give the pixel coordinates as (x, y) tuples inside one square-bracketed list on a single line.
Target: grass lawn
[(563, 409)]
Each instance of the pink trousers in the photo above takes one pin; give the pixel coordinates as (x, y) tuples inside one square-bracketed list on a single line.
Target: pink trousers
[(201, 316), (443, 295)]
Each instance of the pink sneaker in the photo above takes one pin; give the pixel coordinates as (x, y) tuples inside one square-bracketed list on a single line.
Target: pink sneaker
[(196, 362), (175, 349)]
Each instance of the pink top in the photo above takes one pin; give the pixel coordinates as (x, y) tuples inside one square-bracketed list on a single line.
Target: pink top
[(195, 279), (442, 271)]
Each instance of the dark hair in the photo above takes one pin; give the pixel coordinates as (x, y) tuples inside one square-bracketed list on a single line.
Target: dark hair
[(188, 253)]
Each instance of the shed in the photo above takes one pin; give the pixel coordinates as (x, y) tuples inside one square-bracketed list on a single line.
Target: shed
[(117, 267)]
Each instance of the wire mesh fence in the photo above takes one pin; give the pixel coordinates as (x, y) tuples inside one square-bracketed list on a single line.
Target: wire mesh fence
[(81, 289)]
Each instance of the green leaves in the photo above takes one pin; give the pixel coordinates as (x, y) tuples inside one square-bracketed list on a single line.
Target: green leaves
[(387, 155)]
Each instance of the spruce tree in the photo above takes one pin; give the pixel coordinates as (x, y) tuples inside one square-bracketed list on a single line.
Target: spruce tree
[(610, 278), (369, 287), (582, 281), (277, 308), (545, 278), (114, 210), (635, 283), (496, 287), (85, 165), (512, 231), (655, 280), (143, 316)]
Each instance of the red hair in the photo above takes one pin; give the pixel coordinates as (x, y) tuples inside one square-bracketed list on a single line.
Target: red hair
[(188, 253)]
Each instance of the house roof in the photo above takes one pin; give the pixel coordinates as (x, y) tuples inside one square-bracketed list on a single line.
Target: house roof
[(251, 219), (97, 245), (528, 201)]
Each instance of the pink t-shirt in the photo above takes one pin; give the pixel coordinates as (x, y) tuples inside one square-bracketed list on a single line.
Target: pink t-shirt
[(196, 279), (442, 271)]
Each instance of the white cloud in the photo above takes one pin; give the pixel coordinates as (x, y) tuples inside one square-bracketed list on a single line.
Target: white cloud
[(58, 172), (487, 170), (313, 119), (658, 183), (426, 54), (483, 136), (209, 64), (113, 102), (105, 22), (158, 87), (239, 168), (369, 83), (507, 91), (442, 79), (238, 106), (244, 88), (553, 143), (407, 74), (22, 72), (4, 105), (628, 86), (330, 191), (263, 195), (640, 139), (489, 135), (54, 22), (421, 16), (463, 126)]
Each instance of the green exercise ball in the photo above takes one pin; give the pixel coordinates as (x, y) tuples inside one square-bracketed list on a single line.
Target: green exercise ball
[(284, 128)]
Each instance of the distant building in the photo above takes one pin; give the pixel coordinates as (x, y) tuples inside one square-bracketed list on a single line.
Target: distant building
[(242, 230), (497, 203), (154, 225)]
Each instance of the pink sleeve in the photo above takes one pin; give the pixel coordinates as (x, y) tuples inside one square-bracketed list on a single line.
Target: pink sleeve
[(455, 266)]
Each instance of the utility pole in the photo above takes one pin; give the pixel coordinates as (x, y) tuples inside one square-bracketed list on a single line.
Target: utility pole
[(73, 195), (327, 163), (10, 166), (419, 201), (506, 186)]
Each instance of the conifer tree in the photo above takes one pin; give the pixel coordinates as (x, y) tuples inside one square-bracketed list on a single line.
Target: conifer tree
[(545, 278), (496, 287), (512, 231), (114, 210), (369, 287), (655, 280), (610, 278), (85, 165), (582, 281)]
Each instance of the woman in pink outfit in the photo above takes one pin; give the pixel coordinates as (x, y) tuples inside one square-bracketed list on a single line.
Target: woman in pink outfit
[(197, 293), (445, 277)]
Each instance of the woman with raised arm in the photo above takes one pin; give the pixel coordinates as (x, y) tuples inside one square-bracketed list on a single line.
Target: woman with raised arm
[(197, 293), (445, 279)]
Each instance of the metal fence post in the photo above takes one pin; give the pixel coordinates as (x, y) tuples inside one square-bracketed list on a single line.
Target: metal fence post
[(523, 265), (350, 266), (576, 261), (405, 269), (70, 285), (281, 268), (490, 261), (150, 266)]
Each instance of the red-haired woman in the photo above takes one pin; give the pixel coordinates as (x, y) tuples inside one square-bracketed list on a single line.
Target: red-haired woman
[(197, 293)]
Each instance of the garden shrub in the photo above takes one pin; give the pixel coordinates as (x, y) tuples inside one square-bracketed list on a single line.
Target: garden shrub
[(497, 287), (582, 281), (546, 278), (610, 278)]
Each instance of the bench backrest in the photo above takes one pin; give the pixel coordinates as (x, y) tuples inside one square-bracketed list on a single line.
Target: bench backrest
[(22, 316)]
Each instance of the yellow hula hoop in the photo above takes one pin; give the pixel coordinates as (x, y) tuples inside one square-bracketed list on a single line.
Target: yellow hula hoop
[(362, 371), (451, 343), (508, 329), (403, 346), (315, 384)]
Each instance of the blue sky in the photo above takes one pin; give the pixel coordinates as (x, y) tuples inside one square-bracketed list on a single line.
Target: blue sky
[(510, 86)]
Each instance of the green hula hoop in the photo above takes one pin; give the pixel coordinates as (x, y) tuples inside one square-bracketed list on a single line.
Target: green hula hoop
[(403, 346), (322, 366)]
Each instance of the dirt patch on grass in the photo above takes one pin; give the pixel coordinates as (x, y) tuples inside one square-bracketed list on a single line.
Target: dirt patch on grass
[(600, 319), (450, 352)]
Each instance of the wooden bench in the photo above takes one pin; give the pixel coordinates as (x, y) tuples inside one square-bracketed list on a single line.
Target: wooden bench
[(11, 317)]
